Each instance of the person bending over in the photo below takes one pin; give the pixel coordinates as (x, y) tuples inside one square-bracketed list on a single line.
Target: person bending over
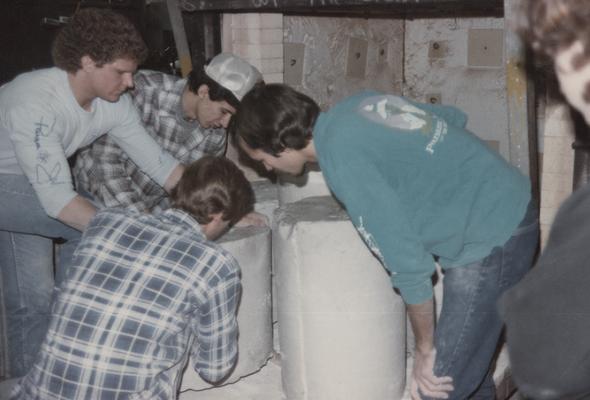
[(145, 293), (418, 187)]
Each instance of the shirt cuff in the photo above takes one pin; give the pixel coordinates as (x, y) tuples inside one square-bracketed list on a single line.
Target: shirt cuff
[(54, 199), (417, 294)]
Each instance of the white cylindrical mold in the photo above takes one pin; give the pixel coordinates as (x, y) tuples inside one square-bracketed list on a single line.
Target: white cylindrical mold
[(342, 327), (251, 247), (267, 198), (295, 188)]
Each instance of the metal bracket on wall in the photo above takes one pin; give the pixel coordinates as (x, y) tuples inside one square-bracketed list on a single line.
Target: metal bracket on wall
[(293, 54), (59, 21)]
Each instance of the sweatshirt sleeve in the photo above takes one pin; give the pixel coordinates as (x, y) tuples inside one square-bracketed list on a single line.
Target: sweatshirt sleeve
[(35, 134), (378, 215)]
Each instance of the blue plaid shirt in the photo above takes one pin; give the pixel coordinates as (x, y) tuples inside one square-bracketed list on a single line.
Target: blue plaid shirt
[(144, 294)]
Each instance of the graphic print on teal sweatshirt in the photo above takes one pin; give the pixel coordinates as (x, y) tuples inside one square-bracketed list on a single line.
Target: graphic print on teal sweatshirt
[(396, 113)]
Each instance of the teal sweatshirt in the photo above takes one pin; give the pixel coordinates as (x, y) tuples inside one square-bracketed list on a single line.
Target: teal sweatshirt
[(417, 184)]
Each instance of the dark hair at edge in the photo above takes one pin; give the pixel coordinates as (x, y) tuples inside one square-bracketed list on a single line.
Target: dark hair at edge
[(198, 77), (550, 26), (213, 185), (273, 117), (101, 34)]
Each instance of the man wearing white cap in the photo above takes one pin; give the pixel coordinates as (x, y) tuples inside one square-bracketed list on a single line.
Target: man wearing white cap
[(187, 117)]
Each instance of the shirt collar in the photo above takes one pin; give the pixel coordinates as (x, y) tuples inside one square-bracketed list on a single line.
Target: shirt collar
[(180, 217)]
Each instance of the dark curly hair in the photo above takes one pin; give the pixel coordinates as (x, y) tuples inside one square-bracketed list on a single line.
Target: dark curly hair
[(550, 26), (213, 185), (101, 34), (274, 117)]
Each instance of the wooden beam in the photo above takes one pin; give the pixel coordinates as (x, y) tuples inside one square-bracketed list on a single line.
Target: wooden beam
[(356, 6), (182, 49), (520, 104)]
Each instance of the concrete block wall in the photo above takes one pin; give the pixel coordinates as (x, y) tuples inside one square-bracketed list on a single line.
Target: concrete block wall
[(558, 163), (258, 38), (439, 67), (326, 55)]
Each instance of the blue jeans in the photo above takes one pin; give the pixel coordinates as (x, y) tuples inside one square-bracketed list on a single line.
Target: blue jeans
[(26, 268), (469, 325)]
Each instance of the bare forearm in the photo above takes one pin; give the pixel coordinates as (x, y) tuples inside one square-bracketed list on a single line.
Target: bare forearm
[(424, 381), (77, 213), (174, 177), (422, 321)]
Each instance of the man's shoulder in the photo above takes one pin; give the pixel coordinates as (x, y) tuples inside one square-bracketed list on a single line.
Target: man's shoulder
[(41, 87), (210, 259), (181, 243), (186, 232)]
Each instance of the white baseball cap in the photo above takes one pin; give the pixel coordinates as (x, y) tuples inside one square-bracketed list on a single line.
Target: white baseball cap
[(233, 73)]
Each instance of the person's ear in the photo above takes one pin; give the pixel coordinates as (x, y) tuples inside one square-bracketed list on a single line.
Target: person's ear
[(203, 91), (87, 63), (212, 229), (217, 217)]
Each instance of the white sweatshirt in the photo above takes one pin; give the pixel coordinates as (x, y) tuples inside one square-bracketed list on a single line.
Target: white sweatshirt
[(42, 124)]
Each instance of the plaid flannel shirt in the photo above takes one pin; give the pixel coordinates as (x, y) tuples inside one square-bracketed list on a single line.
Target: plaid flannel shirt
[(144, 293), (106, 172)]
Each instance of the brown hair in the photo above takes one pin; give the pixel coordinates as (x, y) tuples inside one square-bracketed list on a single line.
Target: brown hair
[(213, 185), (550, 26), (274, 117), (101, 34)]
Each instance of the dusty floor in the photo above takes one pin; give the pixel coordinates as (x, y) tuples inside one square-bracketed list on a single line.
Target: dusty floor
[(263, 385), (266, 385)]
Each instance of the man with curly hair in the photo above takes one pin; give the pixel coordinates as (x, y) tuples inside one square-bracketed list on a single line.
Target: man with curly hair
[(45, 116), (547, 314)]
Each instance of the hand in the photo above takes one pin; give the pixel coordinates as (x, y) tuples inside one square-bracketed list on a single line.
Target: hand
[(253, 219), (424, 381)]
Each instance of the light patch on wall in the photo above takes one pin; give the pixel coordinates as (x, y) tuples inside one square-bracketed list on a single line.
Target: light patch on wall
[(293, 54), (485, 48), (357, 58)]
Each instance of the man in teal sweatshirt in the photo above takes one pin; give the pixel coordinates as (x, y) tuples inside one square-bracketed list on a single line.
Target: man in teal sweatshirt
[(420, 189)]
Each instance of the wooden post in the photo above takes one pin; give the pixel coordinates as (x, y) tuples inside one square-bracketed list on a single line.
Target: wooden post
[(520, 102), (184, 55)]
